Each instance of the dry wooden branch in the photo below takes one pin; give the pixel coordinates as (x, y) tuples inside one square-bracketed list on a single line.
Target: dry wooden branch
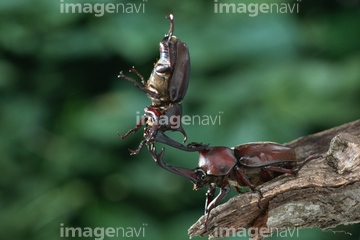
[(326, 193)]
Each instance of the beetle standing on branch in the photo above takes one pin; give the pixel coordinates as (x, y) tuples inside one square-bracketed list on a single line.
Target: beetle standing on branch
[(247, 165), (166, 88)]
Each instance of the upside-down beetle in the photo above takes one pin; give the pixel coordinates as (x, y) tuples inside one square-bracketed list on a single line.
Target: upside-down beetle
[(166, 88)]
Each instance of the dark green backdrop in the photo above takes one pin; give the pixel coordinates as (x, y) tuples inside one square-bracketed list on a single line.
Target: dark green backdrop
[(271, 77)]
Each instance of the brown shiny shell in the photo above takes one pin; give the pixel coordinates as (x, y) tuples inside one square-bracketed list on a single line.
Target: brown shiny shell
[(217, 160), (179, 81), (260, 154)]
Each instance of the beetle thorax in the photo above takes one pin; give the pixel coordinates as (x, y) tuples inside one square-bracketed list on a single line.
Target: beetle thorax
[(217, 161)]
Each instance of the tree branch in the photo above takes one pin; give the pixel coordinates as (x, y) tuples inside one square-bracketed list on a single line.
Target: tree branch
[(326, 193)]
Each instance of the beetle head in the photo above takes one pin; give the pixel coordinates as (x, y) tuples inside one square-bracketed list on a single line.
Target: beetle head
[(202, 179), (197, 176), (184, 172)]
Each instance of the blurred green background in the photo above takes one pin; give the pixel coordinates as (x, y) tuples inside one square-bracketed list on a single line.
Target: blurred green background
[(273, 77)]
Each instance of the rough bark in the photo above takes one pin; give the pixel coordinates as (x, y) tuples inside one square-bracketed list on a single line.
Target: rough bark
[(326, 193)]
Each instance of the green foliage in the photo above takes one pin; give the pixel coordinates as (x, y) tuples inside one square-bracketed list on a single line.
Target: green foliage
[(273, 77)]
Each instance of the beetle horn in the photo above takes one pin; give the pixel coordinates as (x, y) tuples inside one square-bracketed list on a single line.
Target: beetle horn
[(191, 147), (184, 172), (181, 129)]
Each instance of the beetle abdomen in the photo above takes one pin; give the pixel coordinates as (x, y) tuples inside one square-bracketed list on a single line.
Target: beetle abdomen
[(260, 154)]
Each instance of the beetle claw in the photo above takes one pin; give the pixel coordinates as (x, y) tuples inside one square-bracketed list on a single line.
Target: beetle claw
[(206, 224), (121, 74), (261, 196), (134, 152)]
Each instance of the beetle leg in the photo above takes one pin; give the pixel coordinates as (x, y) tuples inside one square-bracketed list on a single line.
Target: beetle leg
[(306, 161), (139, 75), (133, 152), (291, 171), (278, 169), (170, 34), (137, 85), (242, 179), (138, 126), (148, 139), (209, 196), (171, 30), (236, 188), (224, 190)]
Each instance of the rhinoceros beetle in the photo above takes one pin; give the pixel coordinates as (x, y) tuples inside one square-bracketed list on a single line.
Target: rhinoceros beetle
[(166, 88), (247, 165)]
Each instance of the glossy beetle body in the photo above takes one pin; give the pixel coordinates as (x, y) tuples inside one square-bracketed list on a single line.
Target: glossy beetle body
[(170, 80), (247, 165), (166, 88), (254, 157)]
